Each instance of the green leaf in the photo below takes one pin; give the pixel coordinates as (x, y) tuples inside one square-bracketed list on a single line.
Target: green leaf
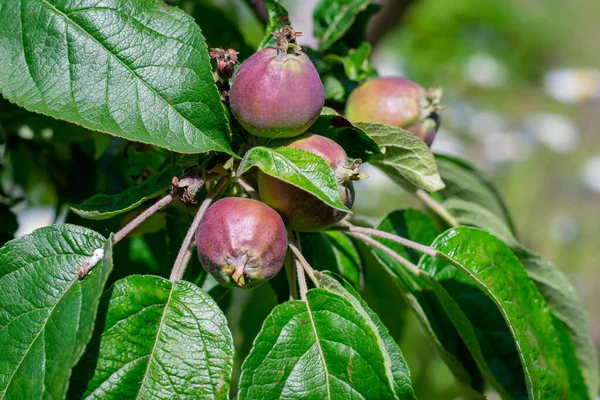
[(355, 63), (472, 214), (103, 206), (333, 18), (569, 310), (336, 127), (465, 182), (557, 290), (298, 167), (475, 258), (432, 312), (476, 318), (47, 312), (404, 156), (411, 224), (333, 251), (357, 34), (398, 368), (337, 85), (278, 18), (321, 348), (139, 70), (157, 340), (101, 144)]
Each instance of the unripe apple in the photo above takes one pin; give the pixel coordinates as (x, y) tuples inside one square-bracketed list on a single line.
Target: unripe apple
[(398, 102), (302, 211), (277, 93), (241, 242)]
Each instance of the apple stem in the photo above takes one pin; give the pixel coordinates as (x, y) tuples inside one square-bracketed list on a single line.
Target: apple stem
[(304, 264), (344, 226), (142, 217), (403, 261), (286, 40), (436, 207), (250, 191), (188, 244)]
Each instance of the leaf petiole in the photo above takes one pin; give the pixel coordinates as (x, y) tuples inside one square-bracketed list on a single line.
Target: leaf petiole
[(304, 264), (142, 217), (346, 227), (436, 207), (403, 261)]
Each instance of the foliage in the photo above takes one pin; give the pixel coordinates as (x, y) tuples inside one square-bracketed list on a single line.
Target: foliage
[(72, 326)]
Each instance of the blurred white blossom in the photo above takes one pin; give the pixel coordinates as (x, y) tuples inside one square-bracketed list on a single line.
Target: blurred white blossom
[(556, 131), (503, 146), (485, 71), (446, 143), (485, 122), (573, 85), (591, 173)]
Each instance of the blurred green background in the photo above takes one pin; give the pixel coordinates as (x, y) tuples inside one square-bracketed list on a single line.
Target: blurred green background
[(522, 85)]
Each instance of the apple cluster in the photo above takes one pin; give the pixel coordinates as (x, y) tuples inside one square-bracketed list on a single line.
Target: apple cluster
[(277, 94)]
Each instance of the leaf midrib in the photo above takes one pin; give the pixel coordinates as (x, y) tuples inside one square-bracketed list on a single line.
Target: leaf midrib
[(318, 343), (336, 20), (158, 332), (273, 154), (42, 328), (482, 285), (133, 72)]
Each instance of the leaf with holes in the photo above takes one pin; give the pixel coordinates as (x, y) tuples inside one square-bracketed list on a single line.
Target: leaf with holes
[(47, 312), (298, 167), (139, 70), (156, 340), (318, 349)]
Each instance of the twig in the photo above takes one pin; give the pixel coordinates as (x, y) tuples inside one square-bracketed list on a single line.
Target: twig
[(301, 281), (301, 278), (304, 264), (248, 188), (187, 245), (142, 217), (385, 235), (412, 267), (436, 207), (90, 263)]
